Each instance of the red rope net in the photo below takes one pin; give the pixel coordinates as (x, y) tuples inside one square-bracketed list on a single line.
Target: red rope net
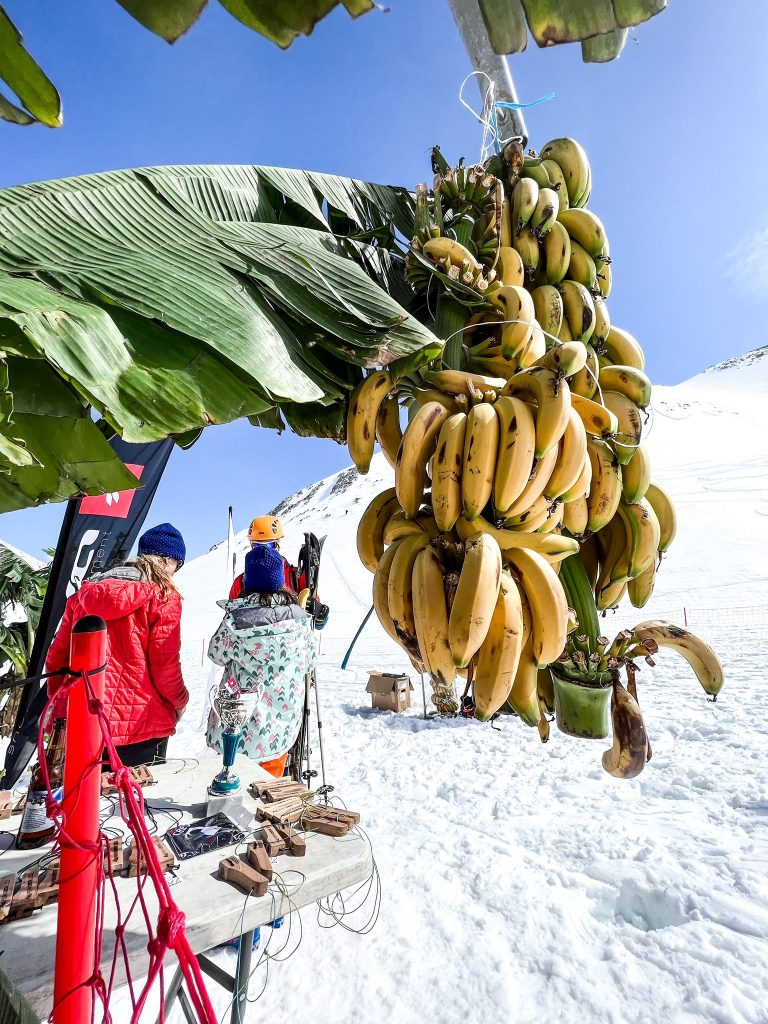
[(164, 934)]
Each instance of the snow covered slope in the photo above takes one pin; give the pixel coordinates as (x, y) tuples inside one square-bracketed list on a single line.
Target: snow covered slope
[(520, 882)]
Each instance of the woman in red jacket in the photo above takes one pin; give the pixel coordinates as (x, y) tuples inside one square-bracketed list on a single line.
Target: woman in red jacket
[(145, 694)]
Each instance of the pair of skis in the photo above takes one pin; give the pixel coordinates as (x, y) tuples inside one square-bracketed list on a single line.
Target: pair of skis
[(299, 766)]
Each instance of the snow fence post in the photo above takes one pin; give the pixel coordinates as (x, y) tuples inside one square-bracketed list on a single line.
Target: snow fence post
[(80, 847)]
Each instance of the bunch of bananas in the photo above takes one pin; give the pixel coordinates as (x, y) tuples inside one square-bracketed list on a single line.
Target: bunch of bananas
[(523, 448)]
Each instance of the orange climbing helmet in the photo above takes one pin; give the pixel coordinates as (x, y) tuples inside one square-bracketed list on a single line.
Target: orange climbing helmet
[(265, 528)]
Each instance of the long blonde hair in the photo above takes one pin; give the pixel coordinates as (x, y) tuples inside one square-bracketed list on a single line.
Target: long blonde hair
[(152, 570)]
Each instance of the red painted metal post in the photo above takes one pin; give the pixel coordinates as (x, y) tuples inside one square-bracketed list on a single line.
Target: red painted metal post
[(76, 929)]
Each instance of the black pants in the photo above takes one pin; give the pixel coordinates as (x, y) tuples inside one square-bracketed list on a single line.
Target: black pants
[(146, 752)]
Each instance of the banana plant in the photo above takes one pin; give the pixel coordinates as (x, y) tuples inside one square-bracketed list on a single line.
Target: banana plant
[(166, 299), (22, 591)]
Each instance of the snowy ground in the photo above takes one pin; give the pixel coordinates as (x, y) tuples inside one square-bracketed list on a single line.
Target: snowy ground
[(519, 881)]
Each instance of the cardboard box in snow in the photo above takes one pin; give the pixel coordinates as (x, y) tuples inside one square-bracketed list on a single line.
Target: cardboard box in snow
[(389, 691)]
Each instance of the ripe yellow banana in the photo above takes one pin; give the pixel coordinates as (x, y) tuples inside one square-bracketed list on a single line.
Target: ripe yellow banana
[(481, 448), (586, 228), (629, 425), (605, 489), (447, 472), (581, 267), (636, 475), (665, 513), (628, 755), (614, 542), (559, 183), (611, 595), (548, 308), (581, 488), (552, 547), (421, 396), (430, 613), (450, 252), (572, 455), (534, 516), (400, 587), (584, 383), (553, 400), (604, 276), (536, 485), (545, 214), (579, 310), (641, 587), (575, 515), (527, 244), (627, 380), (361, 417), (556, 246), (623, 350), (573, 162), (546, 597), (565, 357), (506, 228), (598, 421), (523, 697), (388, 431), (370, 530), (456, 382), (509, 267), (534, 348), (418, 444), (554, 520), (399, 526), (516, 306), (380, 592), (525, 195), (499, 654), (602, 321), (475, 597), (517, 443), (644, 532), (699, 655)]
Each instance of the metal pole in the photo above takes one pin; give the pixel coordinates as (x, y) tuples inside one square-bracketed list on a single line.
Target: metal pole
[(469, 21)]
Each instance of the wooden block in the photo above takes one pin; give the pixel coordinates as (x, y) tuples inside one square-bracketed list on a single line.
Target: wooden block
[(146, 778), (7, 884), (114, 856), (257, 788), (25, 898), (48, 884), (293, 840), (6, 803), (283, 793), (233, 870), (335, 814), (259, 858), (272, 840), (164, 853), (324, 825)]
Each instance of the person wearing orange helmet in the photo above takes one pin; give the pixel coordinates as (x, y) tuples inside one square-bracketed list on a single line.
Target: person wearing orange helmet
[(268, 530)]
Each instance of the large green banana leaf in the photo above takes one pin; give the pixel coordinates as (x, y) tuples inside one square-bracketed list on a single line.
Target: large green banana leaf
[(14, 1008), (600, 25), (166, 299)]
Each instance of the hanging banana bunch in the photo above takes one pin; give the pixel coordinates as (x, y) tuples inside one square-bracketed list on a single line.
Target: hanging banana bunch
[(523, 501)]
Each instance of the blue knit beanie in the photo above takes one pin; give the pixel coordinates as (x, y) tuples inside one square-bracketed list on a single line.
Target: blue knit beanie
[(163, 540), (264, 570)]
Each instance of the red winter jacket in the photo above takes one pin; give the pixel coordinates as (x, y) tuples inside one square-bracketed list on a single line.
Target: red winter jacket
[(145, 692)]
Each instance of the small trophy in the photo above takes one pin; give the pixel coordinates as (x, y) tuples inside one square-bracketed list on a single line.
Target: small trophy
[(233, 713)]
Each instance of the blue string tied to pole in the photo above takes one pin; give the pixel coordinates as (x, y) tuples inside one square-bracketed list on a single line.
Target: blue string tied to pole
[(508, 105)]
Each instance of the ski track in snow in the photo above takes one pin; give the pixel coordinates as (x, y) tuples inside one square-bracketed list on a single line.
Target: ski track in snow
[(520, 882)]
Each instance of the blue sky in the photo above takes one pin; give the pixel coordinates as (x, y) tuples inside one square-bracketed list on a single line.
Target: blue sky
[(675, 131)]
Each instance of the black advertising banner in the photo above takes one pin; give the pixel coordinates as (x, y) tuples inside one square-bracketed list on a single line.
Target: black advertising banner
[(97, 533)]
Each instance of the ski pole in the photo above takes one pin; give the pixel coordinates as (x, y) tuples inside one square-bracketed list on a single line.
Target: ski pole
[(325, 789)]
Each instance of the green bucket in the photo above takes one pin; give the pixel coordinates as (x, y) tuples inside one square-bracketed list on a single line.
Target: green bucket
[(581, 710)]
